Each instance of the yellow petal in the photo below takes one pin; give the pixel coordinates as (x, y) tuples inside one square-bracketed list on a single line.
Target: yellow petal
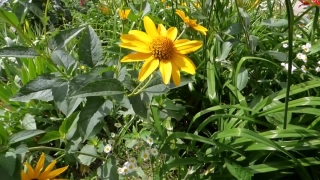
[(201, 29), (150, 27), (39, 165), (30, 170), (50, 166), (56, 172), (141, 36), (134, 40), (24, 176), (135, 57), (148, 67), (165, 68), (181, 14), (181, 41), (162, 30), (136, 46), (172, 33), (184, 63), (186, 47), (175, 75)]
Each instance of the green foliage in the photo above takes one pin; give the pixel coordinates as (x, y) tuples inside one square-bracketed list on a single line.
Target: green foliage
[(243, 115)]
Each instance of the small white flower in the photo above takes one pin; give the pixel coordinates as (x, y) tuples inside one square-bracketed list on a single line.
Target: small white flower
[(132, 160), (145, 155), (107, 148), (286, 66), (120, 171), (302, 57), (113, 135), (125, 170), (285, 45), (304, 69), (299, 36), (154, 152), (319, 62), (129, 166), (306, 47), (150, 141), (318, 69), (117, 125)]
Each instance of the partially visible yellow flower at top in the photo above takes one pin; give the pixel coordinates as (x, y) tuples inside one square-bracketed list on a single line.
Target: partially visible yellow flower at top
[(38, 174), (248, 4), (158, 47), (104, 8), (197, 5), (124, 13), (192, 23)]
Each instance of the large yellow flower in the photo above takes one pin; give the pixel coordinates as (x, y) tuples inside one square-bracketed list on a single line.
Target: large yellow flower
[(36, 174), (192, 23), (158, 47)]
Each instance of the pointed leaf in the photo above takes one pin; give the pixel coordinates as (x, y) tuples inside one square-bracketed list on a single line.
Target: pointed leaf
[(62, 58), (61, 39), (17, 51), (22, 135)]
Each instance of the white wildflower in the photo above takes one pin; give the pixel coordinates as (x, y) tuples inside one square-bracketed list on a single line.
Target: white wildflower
[(125, 170), (304, 69), (306, 47), (132, 160), (318, 69), (107, 148), (117, 125), (120, 171), (113, 135), (150, 141), (145, 155), (154, 152), (129, 166), (299, 36), (302, 57), (286, 66), (285, 45)]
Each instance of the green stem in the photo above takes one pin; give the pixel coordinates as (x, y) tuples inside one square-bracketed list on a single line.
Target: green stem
[(136, 91), (290, 58), (315, 27), (62, 150)]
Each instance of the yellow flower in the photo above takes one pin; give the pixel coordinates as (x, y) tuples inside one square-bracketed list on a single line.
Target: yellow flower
[(158, 47), (124, 13), (192, 23), (36, 174), (103, 8)]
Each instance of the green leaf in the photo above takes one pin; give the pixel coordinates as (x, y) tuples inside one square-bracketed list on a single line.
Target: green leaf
[(275, 22), (108, 170), (9, 17), (49, 136), (3, 136), (8, 162), (139, 106), (104, 87), (242, 78), (234, 29), (4, 174), (61, 39), (238, 171), (315, 48), (39, 88), (22, 135), (90, 49), (157, 89), (65, 104), (62, 58), (69, 126), (282, 57), (18, 51), (28, 122), (226, 48), (33, 8), (93, 112), (87, 160)]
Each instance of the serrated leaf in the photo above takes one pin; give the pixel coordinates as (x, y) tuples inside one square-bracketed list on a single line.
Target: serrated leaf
[(90, 49), (87, 160), (275, 22), (104, 87), (22, 135), (62, 58), (28, 122), (65, 104), (61, 39), (238, 171), (93, 112), (39, 88), (49, 136), (18, 51)]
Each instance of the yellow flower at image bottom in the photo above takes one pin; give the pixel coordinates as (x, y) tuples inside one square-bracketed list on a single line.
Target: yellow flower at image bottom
[(36, 174), (158, 47)]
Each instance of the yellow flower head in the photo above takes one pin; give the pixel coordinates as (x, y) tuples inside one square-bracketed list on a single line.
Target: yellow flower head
[(158, 47), (192, 23), (104, 8), (36, 173), (124, 13), (248, 4)]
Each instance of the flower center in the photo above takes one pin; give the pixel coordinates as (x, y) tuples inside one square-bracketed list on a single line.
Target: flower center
[(162, 48), (34, 179)]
